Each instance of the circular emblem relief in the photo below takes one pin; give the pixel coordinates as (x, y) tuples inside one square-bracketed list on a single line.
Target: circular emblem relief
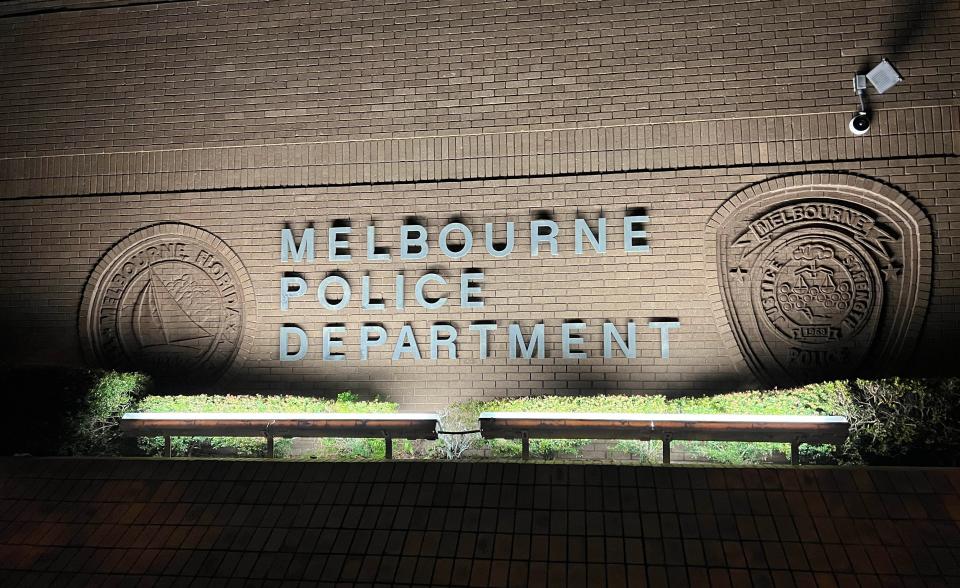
[(816, 289), (819, 276), (168, 300)]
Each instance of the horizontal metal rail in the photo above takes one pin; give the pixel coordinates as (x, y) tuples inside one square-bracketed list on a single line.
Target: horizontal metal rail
[(388, 426), (795, 430)]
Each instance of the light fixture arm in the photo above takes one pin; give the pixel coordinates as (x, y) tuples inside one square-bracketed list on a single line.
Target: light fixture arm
[(860, 87), (860, 123), (882, 77)]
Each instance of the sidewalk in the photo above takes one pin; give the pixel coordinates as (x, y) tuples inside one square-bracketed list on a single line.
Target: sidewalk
[(180, 522)]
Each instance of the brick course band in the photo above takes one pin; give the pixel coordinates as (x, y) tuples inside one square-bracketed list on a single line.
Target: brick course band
[(771, 140)]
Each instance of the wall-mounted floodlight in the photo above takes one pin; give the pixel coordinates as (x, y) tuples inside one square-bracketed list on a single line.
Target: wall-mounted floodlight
[(883, 77)]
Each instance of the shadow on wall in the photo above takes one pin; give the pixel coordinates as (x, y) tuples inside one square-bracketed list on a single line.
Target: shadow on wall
[(911, 18), (37, 406)]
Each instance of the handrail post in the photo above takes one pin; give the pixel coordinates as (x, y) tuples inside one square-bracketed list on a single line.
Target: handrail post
[(795, 452), (269, 445), (525, 445), (388, 447), (167, 446), (666, 449)]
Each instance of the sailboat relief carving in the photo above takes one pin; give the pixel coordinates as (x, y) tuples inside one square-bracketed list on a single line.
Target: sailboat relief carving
[(168, 300)]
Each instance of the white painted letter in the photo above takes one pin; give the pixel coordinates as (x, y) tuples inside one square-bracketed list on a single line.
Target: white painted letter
[(329, 343), (466, 290), (598, 242), (366, 341), (418, 291), (286, 293), (289, 247), (406, 343), (372, 254), (448, 340), (536, 342), (567, 340), (285, 333), (335, 244), (629, 234), (549, 237), (664, 327), (322, 292), (365, 295), (467, 240), (401, 292), (488, 238), (419, 241), (484, 329), (611, 334)]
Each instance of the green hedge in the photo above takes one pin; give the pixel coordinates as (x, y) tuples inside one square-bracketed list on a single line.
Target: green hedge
[(94, 429), (894, 421), (345, 402), (901, 421), (824, 398), (253, 446)]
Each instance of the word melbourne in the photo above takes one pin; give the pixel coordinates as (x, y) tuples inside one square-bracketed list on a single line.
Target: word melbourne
[(334, 293)]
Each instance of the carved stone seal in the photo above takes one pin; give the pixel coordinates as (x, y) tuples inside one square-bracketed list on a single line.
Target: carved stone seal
[(819, 276), (168, 300)]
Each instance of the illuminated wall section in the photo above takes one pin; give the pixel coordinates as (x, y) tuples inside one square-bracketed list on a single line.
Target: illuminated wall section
[(454, 200)]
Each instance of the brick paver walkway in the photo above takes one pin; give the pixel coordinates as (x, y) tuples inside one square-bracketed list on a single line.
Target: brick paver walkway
[(151, 522)]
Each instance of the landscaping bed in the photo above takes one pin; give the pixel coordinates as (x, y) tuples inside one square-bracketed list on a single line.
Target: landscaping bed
[(893, 421), (345, 402)]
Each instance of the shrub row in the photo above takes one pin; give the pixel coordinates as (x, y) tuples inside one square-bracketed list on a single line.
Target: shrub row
[(251, 446), (893, 421)]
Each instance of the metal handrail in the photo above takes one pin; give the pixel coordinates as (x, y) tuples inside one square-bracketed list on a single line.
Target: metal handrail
[(271, 425), (793, 429)]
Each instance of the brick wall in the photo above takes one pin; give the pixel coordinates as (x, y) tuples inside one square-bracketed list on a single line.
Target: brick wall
[(209, 73), (244, 118)]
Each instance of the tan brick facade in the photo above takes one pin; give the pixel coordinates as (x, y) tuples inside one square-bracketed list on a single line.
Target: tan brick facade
[(153, 154)]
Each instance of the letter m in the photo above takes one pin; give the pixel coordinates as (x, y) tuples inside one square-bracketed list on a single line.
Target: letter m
[(526, 349), (289, 247)]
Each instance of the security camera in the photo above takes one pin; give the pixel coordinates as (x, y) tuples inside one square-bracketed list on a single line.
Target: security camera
[(883, 77), (860, 123)]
